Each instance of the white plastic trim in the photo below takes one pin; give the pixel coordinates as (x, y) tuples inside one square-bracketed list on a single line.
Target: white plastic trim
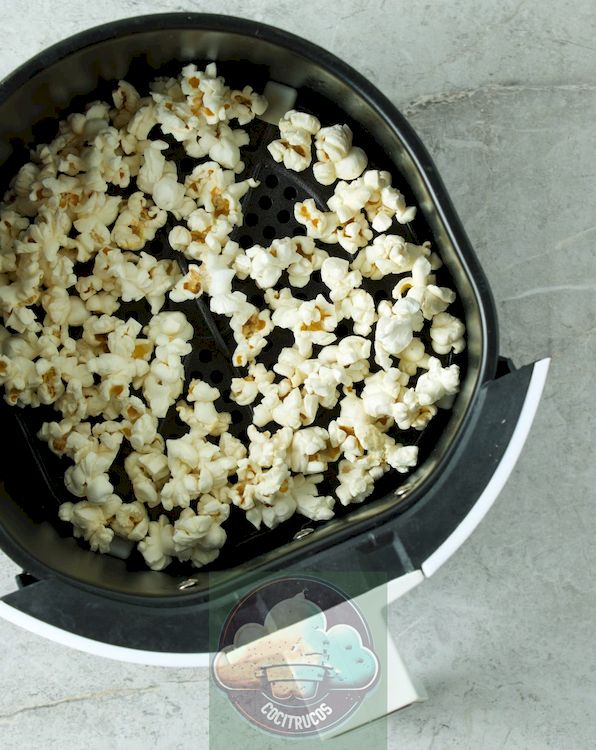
[(501, 475), (97, 648)]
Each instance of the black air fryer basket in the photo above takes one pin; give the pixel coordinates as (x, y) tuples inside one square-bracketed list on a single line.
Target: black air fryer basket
[(410, 522)]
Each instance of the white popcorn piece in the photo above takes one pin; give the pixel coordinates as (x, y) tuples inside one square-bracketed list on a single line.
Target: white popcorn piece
[(336, 274), (320, 225), (148, 473), (395, 329), (419, 286), (349, 198), (203, 417), (360, 307), (131, 521), (385, 202), (199, 537), (354, 234), (158, 546), (437, 384), (91, 521), (167, 327), (356, 480), (190, 286), (251, 328), (338, 159), (409, 413), (245, 390), (245, 105), (268, 449), (307, 454), (294, 146), (447, 334), (413, 357), (382, 391), (388, 254), (138, 223), (308, 502)]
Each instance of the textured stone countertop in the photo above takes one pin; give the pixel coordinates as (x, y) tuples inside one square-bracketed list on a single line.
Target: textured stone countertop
[(504, 96)]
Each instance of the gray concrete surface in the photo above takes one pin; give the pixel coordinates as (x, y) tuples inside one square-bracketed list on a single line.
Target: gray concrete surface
[(504, 96)]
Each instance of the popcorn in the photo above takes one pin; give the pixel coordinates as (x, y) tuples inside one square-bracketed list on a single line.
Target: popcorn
[(312, 321), (338, 159), (92, 521), (431, 298), (395, 328), (138, 223), (245, 390), (203, 417), (413, 357), (251, 328), (295, 156), (294, 146), (307, 451), (382, 391), (200, 537), (341, 281), (409, 413), (356, 480), (245, 105), (388, 254), (354, 234), (447, 334), (131, 521), (308, 502), (320, 225), (297, 255), (111, 379), (437, 384), (148, 473), (190, 286), (385, 202), (158, 546), (360, 307)]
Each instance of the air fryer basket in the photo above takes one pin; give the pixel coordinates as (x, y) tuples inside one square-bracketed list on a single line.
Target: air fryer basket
[(86, 67)]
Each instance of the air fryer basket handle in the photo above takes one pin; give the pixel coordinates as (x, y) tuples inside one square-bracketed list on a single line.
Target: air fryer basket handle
[(436, 526)]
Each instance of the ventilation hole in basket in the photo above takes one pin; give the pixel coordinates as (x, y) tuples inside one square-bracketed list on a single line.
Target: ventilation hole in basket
[(245, 241), (205, 355), (269, 232), (256, 300), (236, 416), (297, 231), (216, 376), (380, 295), (283, 216), (271, 181), (251, 220), (265, 202), (290, 193)]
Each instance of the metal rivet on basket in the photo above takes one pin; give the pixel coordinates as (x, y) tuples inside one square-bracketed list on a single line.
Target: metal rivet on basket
[(302, 533), (188, 584)]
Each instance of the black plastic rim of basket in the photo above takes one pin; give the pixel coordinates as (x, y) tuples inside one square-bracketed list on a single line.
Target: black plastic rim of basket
[(437, 191)]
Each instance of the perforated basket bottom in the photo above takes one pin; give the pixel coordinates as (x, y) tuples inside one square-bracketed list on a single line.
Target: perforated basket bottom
[(268, 214)]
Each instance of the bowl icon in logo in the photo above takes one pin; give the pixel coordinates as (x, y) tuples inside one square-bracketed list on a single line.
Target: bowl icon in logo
[(298, 680)]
